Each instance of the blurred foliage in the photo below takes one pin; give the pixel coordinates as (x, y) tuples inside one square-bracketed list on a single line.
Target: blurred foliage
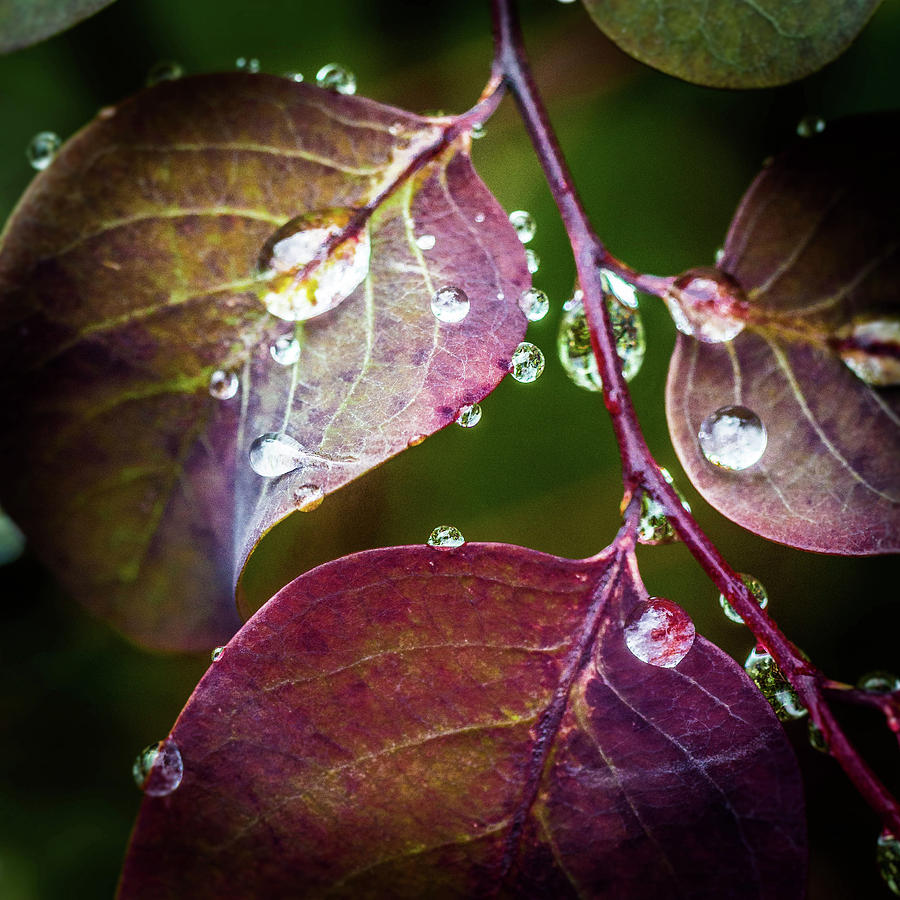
[(660, 165)]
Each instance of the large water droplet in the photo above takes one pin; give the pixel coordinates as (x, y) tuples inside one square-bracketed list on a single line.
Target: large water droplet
[(42, 149), (524, 224), (469, 416), (216, 654), (527, 363), (879, 683), (450, 304), (887, 855), (659, 632), (286, 350), (308, 497), (12, 541), (810, 125), (708, 305), (733, 437), (425, 241), (654, 527), (871, 350), (247, 64), (275, 453), (158, 768), (757, 591), (535, 304), (446, 536), (295, 244), (334, 77), (223, 385), (766, 675), (164, 70), (532, 260)]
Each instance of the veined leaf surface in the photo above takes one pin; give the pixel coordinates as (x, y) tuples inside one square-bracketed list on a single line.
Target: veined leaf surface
[(126, 281), (25, 22)]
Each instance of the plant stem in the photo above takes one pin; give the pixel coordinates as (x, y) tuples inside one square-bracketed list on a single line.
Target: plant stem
[(640, 470)]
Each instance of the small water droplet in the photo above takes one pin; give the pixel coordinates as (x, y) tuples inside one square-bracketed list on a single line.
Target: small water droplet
[(478, 131), (654, 527), (275, 453), (164, 70), (810, 125), (757, 591), (659, 632), (879, 683), (216, 654), (619, 288), (286, 350), (766, 675), (479, 217), (871, 350), (535, 304), (308, 497), (223, 385), (446, 536), (450, 304), (887, 855), (720, 255), (287, 252), (12, 541), (42, 149), (527, 363), (469, 416), (425, 241), (294, 76), (334, 77), (158, 768), (532, 260), (523, 223), (415, 440), (816, 737), (247, 64), (708, 305), (733, 437)]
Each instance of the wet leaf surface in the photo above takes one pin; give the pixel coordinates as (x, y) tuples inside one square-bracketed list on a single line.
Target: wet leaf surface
[(25, 22), (462, 723), (814, 244), (733, 44), (126, 281)]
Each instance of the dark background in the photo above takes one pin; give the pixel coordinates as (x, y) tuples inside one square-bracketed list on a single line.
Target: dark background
[(661, 166)]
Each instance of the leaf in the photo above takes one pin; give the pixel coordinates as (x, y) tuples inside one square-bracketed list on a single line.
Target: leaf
[(126, 281), (461, 723), (733, 44), (814, 244), (25, 22)]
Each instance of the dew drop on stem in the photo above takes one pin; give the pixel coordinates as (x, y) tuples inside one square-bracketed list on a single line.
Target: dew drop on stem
[(733, 437), (757, 591), (765, 674), (708, 305), (654, 526), (275, 453), (450, 304), (527, 363), (879, 683), (446, 537), (334, 77), (158, 768), (42, 149), (659, 632), (887, 855)]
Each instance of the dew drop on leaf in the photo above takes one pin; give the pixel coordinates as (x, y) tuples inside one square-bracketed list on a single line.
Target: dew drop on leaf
[(287, 252), (733, 437), (294, 76), (425, 241), (527, 363), (659, 632), (757, 591), (286, 350), (308, 497), (523, 223), (654, 527), (158, 768), (42, 149), (810, 125), (887, 855), (871, 350), (216, 654), (164, 70), (469, 416), (532, 260), (879, 683), (450, 304), (445, 536), (479, 217), (535, 304), (247, 64), (708, 305), (223, 385), (334, 77), (275, 453), (766, 675)]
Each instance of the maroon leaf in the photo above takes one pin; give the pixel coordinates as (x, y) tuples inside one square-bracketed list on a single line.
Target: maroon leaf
[(420, 722), (814, 244), (25, 22), (128, 277)]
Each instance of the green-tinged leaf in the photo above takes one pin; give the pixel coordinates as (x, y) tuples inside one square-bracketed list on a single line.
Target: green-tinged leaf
[(127, 280), (733, 43), (24, 22), (815, 244)]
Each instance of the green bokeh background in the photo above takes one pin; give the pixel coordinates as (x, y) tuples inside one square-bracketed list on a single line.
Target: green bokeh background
[(661, 166)]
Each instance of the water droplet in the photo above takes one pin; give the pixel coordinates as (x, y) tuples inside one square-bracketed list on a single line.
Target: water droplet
[(294, 76), (158, 768), (334, 77), (308, 497), (532, 260), (654, 527), (216, 655), (164, 70), (478, 131), (757, 591), (42, 149), (12, 541), (286, 350), (659, 632), (287, 252), (619, 288), (879, 683), (733, 437), (524, 224), (450, 304), (708, 305), (469, 416), (887, 855), (247, 64), (479, 217), (766, 675), (871, 350), (223, 385), (275, 453), (446, 536), (415, 440), (810, 125), (527, 363), (720, 255), (535, 304), (425, 241), (816, 737)]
